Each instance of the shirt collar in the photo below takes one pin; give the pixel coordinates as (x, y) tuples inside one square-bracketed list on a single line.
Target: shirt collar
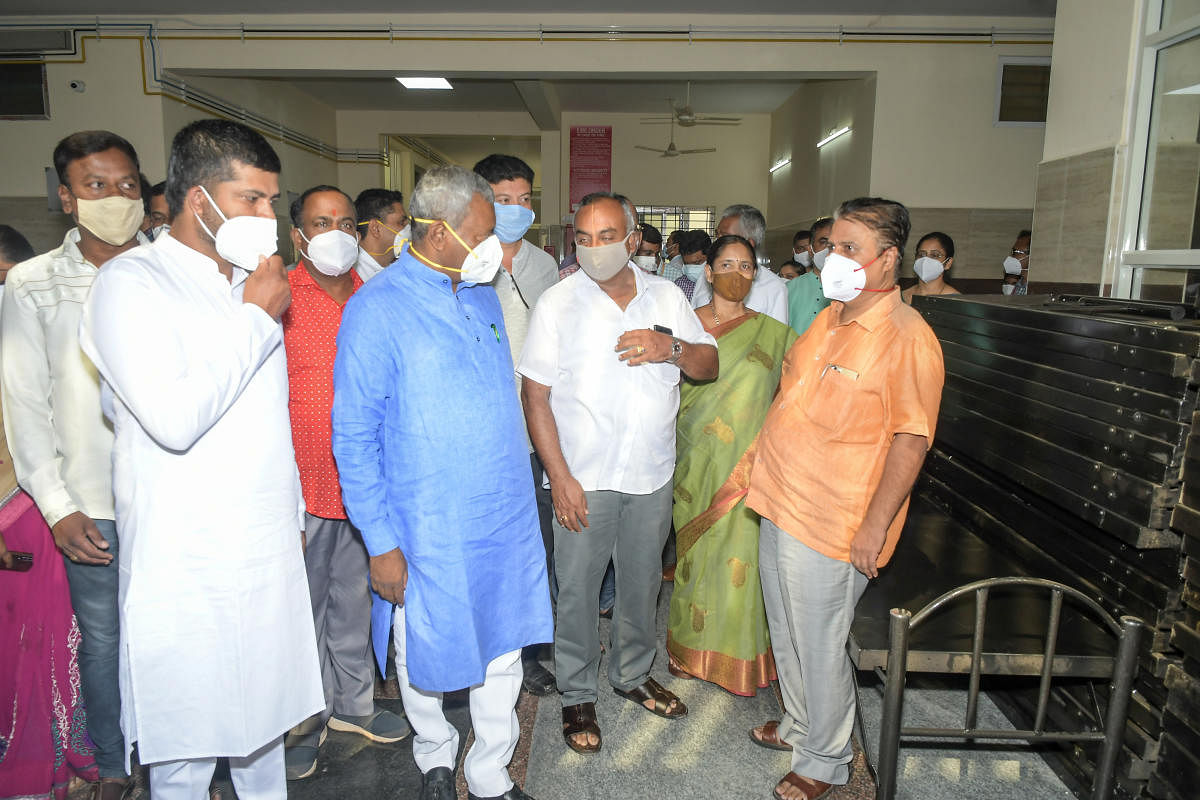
[(182, 254), (305, 280), (874, 315), (71, 246), (639, 280), (417, 269)]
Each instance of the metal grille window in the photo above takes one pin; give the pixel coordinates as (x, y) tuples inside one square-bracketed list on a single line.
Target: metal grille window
[(679, 218)]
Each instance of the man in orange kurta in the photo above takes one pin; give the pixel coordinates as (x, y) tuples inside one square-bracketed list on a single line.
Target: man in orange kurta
[(838, 455)]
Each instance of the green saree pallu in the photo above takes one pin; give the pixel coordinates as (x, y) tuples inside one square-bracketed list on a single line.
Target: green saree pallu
[(718, 626)]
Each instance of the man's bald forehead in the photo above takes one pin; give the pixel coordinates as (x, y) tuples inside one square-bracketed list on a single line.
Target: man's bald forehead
[(601, 210)]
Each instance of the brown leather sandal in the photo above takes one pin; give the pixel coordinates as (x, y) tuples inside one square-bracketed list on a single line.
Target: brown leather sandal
[(769, 738), (810, 789), (653, 690), (581, 719)]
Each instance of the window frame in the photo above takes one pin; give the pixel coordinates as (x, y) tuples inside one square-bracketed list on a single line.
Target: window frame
[(1019, 61), (1132, 261)]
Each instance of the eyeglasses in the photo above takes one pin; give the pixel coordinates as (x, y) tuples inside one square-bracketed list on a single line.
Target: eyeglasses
[(934, 254), (1020, 253)]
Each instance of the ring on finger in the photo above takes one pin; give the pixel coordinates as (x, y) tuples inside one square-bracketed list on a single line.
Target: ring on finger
[(641, 349)]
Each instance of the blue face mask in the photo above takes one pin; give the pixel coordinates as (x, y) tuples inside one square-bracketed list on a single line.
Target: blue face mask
[(512, 221), (693, 271)]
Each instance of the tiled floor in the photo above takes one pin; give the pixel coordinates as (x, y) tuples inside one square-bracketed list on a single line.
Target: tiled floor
[(705, 755)]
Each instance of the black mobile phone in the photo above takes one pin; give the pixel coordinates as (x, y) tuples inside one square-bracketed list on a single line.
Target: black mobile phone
[(22, 562), (663, 329)]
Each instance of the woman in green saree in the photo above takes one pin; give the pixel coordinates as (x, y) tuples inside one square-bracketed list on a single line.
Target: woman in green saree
[(718, 627)]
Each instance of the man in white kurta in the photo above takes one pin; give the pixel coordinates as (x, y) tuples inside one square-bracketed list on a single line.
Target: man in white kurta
[(218, 655)]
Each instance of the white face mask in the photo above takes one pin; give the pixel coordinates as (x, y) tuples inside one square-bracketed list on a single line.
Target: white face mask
[(819, 258), (1012, 265), (693, 271), (1007, 288), (603, 261), (804, 258), (242, 240), (842, 278), (928, 268), (405, 235), (647, 263), (158, 231), (483, 261), (333, 253)]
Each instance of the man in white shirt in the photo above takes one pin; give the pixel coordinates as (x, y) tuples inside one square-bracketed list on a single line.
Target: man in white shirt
[(768, 293), (602, 363), (527, 271), (218, 654), (60, 442), (383, 224)]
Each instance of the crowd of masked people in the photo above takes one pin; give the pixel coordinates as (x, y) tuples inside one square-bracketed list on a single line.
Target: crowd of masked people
[(247, 483)]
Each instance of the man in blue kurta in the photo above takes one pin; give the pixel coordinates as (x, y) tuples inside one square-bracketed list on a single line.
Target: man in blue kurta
[(430, 449)]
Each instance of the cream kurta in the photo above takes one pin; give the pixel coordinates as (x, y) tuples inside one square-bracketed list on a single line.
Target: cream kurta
[(218, 655)]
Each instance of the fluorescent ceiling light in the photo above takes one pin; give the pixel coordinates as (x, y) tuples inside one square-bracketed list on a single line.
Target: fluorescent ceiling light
[(1193, 89), (832, 136), (425, 83), (780, 165)]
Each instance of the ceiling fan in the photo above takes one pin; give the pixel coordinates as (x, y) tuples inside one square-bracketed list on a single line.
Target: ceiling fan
[(671, 150), (686, 117)]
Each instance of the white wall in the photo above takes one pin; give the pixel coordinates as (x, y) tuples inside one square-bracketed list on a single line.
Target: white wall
[(816, 181), (113, 101), (736, 173), (935, 142), (1090, 75)]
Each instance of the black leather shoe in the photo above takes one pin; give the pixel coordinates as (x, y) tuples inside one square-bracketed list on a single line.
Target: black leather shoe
[(514, 793), (438, 784), (538, 680)]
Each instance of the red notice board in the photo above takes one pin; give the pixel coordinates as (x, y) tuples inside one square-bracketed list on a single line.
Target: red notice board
[(591, 161)]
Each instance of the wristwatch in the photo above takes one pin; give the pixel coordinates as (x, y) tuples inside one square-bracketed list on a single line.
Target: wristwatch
[(676, 351)]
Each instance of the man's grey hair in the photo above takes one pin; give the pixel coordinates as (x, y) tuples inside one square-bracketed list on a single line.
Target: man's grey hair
[(621, 200), (752, 224), (444, 193)]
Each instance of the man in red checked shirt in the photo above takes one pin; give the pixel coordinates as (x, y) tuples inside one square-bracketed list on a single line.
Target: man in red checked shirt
[(324, 234)]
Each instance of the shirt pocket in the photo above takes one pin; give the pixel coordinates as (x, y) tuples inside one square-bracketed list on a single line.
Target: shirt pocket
[(845, 408)]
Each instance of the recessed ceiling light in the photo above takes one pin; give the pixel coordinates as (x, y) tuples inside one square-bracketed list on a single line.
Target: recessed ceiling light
[(425, 83)]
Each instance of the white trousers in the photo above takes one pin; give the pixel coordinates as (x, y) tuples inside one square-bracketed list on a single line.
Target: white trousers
[(258, 776), (493, 718)]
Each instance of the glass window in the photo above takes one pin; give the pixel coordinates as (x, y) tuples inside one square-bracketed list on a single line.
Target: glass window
[(1175, 10), (1170, 201)]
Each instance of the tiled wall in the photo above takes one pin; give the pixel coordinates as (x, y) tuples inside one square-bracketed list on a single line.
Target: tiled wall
[(1071, 219)]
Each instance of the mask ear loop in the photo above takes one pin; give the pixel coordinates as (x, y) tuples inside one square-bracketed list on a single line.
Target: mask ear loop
[(869, 263), (453, 233), (395, 247)]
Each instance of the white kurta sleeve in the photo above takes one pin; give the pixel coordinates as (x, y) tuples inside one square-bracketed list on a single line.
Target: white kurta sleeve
[(176, 377), (777, 300), (28, 420)]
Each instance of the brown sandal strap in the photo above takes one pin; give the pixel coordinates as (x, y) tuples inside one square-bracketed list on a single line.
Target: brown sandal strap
[(580, 719), (769, 737), (653, 690)]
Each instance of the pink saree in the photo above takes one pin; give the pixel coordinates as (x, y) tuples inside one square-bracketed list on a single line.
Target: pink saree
[(43, 727)]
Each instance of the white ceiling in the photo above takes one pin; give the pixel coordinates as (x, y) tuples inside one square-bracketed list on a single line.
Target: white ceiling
[(160, 8), (610, 96)]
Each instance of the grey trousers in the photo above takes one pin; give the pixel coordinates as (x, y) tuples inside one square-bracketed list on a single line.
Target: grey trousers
[(810, 600), (339, 585), (629, 529)]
